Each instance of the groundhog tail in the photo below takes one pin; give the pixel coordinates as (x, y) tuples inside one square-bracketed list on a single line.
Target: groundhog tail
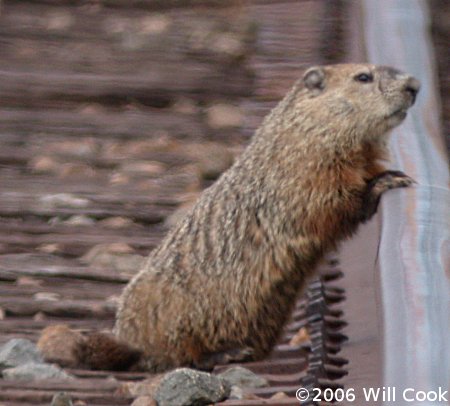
[(102, 351)]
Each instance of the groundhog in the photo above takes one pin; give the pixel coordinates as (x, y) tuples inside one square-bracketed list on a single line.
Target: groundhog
[(224, 281)]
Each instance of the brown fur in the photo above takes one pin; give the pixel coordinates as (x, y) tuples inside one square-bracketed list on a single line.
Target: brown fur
[(56, 344), (227, 276), (101, 351)]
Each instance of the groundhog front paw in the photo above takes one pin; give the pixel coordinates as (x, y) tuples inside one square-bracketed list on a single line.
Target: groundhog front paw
[(389, 180), (377, 186), (238, 354)]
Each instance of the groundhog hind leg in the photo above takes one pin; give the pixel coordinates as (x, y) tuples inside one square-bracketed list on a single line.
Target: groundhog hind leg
[(377, 186), (208, 361)]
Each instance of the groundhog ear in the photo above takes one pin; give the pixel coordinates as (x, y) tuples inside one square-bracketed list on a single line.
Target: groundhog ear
[(314, 78)]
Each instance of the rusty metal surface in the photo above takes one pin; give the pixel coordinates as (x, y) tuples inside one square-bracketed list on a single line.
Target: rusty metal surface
[(414, 248)]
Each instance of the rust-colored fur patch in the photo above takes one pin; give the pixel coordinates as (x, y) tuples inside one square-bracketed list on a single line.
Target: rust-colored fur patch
[(101, 351)]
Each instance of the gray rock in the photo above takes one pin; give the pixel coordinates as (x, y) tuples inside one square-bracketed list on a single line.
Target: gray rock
[(224, 116), (80, 220), (18, 352), (144, 401), (117, 257), (184, 387), (244, 378), (236, 393), (63, 200), (35, 371), (61, 399)]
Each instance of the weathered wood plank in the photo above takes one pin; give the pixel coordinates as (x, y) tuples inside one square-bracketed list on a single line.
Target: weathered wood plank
[(33, 396), (165, 190), (13, 325), (12, 266), (69, 272), (104, 124), (98, 309), (75, 290), (150, 4), (33, 89), (23, 206), (92, 385), (136, 235), (76, 240)]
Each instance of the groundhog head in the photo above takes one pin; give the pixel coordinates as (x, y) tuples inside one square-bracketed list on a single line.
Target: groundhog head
[(369, 98)]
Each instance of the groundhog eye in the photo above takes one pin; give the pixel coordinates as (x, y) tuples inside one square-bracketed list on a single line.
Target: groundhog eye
[(364, 77)]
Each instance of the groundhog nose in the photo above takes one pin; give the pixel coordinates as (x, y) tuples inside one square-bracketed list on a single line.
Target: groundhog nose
[(412, 87)]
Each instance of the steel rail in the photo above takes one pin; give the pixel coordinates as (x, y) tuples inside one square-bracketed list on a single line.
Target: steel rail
[(413, 256)]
